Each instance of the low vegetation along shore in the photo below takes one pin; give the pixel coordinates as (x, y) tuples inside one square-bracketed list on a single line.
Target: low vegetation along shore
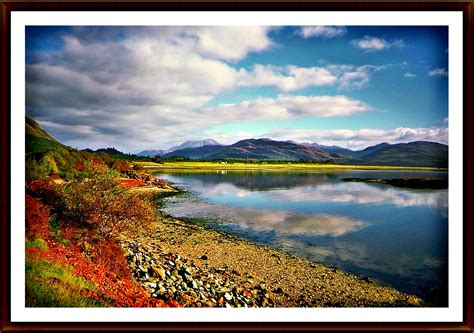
[(97, 240), (283, 166)]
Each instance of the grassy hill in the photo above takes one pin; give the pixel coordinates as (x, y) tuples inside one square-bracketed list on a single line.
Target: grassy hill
[(418, 153), (37, 139)]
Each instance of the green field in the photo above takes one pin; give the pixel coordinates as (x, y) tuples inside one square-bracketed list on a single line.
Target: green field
[(274, 167)]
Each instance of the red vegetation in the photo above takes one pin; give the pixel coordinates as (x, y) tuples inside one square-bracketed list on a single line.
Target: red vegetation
[(37, 218), (79, 165), (128, 183), (108, 254), (111, 289), (88, 215), (121, 166)]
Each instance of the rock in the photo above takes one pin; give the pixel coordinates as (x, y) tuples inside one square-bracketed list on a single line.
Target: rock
[(159, 272)]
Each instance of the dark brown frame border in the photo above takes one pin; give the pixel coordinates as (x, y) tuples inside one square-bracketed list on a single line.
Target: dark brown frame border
[(466, 6)]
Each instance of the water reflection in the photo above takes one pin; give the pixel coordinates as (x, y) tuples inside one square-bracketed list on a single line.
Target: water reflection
[(361, 193), (396, 236), (280, 222)]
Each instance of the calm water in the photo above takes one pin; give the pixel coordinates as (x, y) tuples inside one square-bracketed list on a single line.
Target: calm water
[(394, 236)]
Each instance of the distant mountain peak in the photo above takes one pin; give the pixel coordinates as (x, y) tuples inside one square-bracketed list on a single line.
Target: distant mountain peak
[(194, 144), (184, 145)]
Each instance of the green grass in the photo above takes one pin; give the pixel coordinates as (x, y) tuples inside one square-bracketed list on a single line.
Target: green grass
[(274, 167), (37, 144), (50, 285), (38, 243)]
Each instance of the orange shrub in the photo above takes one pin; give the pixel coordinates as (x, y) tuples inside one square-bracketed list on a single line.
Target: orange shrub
[(37, 218), (48, 191), (108, 254)]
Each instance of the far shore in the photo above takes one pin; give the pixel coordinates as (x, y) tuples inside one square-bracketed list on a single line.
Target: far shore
[(289, 166)]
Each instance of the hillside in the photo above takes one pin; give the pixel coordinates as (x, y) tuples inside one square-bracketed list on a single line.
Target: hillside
[(184, 145), (37, 139), (418, 153), (259, 149)]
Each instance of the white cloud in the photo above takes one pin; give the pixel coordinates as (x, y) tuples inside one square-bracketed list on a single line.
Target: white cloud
[(350, 76), (370, 43), (285, 107), (322, 31), (409, 75), (292, 78), (99, 91), (362, 138), (287, 78), (438, 72), (230, 43)]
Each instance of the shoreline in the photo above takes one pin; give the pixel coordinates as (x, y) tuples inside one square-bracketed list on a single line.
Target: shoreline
[(210, 166), (247, 274)]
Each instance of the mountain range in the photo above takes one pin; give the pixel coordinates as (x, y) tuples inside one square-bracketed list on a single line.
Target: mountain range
[(418, 153)]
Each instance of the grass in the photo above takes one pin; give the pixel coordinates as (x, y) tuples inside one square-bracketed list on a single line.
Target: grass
[(195, 165), (50, 285), (36, 144)]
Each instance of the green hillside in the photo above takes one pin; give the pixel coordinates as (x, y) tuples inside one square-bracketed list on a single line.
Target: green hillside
[(37, 139)]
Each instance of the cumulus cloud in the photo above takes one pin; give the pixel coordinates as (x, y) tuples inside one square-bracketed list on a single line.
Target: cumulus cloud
[(350, 76), (115, 86), (291, 78), (285, 107), (287, 78), (369, 43), (322, 31), (438, 72), (362, 138), (134, 80)]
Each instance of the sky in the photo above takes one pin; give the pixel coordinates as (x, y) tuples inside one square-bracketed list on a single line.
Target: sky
[(153, 87)]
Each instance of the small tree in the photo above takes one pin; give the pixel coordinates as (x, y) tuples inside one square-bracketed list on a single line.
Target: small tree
[(98, 202)]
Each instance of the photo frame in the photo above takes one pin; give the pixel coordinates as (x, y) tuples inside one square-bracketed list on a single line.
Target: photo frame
[(463, 321)]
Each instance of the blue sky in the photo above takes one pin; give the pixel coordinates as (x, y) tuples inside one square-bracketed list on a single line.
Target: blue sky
[(138, 88)]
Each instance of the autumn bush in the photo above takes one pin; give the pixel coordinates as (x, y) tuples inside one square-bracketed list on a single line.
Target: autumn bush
[(49, 192), (99, 203), (37, 218), (109, 254), (120, 165)]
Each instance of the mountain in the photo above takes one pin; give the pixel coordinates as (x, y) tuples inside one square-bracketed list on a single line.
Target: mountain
[(184, 145), (37, 139), (152, 153), (334, 149), (195, 144), (418, 153), (260, 149), (372, 149)]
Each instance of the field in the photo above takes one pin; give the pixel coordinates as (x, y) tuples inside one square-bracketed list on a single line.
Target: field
[(274, 166)]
